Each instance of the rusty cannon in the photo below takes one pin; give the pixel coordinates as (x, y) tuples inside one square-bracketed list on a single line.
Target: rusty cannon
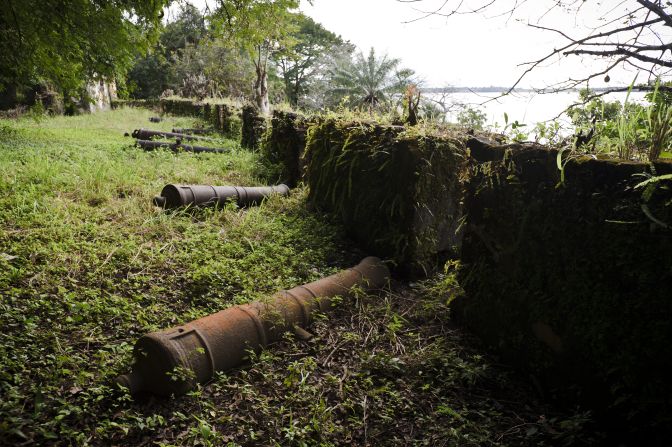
[(175, 360), (146, 134), (173, 196), (178, 147), (197, 131)]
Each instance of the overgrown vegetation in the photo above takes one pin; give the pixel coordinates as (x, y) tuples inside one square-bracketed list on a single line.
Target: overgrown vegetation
[(630, 130), (88, 265)]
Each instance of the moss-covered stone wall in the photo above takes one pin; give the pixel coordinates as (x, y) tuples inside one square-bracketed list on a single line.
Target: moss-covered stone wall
[(573, 281), (228, 120), (224, 118), (397, 191), (286, 144), (253, 127), (142, 103)]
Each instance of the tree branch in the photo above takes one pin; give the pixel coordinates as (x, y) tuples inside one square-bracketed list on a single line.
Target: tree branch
[(623, 51), (657, 10)]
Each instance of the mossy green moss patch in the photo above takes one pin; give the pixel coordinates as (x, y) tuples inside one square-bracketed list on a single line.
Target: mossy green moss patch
[(141, 103)]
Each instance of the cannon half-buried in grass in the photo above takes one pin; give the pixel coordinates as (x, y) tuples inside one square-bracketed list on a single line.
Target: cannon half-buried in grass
[(194, 131), (173, 196), (147, 134), (178, 147), (174, 361)]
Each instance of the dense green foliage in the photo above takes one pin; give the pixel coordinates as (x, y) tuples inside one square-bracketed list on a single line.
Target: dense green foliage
[(630, 130), (189, 60), (263, 28), (67, 43), (369, 82), (471, 118), (158, 70), (304, 64), (148, 78), (265, 52)]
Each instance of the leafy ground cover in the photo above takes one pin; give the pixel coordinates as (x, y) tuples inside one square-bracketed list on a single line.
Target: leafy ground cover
[(87, 265)]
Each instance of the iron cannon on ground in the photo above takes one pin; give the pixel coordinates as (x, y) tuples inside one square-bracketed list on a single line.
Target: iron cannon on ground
[(147, 134), (175, 360), (177, 147), (173, 196)]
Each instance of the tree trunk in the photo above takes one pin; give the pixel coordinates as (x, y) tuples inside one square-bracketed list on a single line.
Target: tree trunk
[(296, 89), (261, 90), (289, 92)]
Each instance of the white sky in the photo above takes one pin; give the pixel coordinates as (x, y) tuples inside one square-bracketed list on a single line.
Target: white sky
[(465, 50)]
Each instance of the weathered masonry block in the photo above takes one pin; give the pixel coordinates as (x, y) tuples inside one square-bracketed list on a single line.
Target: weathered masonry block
[(227, 120), (572, 280), (287, 143), (139, 103), (397, 191), (253, 128)]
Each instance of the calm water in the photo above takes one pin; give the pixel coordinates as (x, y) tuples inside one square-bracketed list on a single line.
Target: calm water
[(529, 108)]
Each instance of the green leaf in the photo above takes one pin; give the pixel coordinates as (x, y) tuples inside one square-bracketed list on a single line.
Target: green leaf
[(652, 180)]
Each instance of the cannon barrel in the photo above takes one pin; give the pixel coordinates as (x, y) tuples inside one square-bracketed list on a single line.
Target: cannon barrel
[(177, 147), (193, 131), (173, 196), (175, 360), (147, 134)]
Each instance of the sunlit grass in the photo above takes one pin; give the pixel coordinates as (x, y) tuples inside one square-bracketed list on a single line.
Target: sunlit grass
[(87, 263)]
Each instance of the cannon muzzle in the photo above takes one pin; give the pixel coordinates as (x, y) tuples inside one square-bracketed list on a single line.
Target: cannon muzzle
[(173, 196), (174, 361)]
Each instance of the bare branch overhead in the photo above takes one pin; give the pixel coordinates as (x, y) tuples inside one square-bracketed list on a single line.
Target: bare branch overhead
[(633, 33)]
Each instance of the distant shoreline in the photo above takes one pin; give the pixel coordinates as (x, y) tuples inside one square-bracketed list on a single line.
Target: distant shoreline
[(494, 89)]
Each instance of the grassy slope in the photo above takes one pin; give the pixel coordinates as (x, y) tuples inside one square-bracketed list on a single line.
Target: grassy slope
[(87, 265)]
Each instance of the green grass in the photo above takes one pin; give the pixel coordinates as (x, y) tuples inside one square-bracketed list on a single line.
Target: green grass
[(87, 265)]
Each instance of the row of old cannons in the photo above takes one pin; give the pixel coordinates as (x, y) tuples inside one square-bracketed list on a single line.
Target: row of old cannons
[(174, 196), (221, 341), (145, 140)]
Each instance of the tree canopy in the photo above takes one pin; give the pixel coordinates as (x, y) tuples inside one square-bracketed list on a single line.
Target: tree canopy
[(262, 28), (370, 80), (66, 42), (312, 43), (170, 60), (188, 29)]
